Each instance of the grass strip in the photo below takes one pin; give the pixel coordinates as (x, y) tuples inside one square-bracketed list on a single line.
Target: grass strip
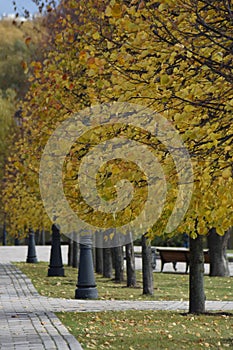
[(168, 286), (132, 330)]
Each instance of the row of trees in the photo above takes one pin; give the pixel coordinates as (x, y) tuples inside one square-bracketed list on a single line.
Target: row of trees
[(173, 56), (19, 47), (15, 56)]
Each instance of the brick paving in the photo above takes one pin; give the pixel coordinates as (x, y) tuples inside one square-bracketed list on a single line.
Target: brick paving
[(27, 320)]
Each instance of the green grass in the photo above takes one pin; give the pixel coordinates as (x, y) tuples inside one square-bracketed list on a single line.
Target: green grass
[(168, 286), (132, 330)]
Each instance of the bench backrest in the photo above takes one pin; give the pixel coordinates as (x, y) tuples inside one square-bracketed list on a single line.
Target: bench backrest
[(172, 255), (179, 255)]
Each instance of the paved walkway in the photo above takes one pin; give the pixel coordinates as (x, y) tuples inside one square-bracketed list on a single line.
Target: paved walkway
[(28, 322)]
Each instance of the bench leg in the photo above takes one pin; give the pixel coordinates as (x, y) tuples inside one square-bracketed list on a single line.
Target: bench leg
[(187, 267), (162, 265), (174, 265)]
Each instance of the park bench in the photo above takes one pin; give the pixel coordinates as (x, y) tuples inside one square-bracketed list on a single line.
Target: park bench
[(174, 255)]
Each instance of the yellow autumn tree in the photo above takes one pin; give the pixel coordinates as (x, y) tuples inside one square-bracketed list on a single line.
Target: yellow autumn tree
[(174, 57), (177, 57), (142, 53), (56, 84)]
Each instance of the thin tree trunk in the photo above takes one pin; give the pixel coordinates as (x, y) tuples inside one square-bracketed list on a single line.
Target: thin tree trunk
[(118, 264), (37, 237), (130, 265), (196, 277), (75, 259), (99, 260), (217, 250), (147, 271), (113, 258), (70, 252), (107, 266), (4, 240), (42, 237)]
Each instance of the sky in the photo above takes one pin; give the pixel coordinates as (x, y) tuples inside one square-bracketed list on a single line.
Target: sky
[(6, 6)]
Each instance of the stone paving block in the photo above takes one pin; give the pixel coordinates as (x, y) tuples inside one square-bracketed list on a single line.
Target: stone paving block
[(24, 322)]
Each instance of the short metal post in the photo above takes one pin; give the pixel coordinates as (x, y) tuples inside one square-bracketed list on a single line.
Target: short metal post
[(31, 257), (56, 265), (86, 287)]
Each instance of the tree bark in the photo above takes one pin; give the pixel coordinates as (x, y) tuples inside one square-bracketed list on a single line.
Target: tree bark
[(147, 271), (118, 264), (70, 252), (217, 250), (113, 258), (99, 260), (42, 236), (107, 266), (130, 265), (37, 237), (75, 259), (196, 277), (4, 240)]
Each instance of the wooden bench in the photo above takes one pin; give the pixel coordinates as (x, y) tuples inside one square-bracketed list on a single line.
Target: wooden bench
[(174, 255)]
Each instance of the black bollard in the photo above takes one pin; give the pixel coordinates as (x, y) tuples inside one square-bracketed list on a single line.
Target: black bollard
[(31, 257), (86, 287), (56, 265)]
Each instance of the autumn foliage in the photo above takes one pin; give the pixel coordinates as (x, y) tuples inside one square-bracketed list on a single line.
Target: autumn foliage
[(172, 56)]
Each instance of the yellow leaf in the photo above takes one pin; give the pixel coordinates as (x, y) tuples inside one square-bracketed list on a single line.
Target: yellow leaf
[(108, 11), (96, 36), (114, 11), (220, 231), (164, 79), (226, 173)]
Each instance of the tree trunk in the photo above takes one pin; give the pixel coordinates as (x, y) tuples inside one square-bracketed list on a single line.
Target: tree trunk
[(196, 277), (42, 237), (217, 250), (107, 266), (4, 240), (70, 252), (37, 237), (118, 264), (75, 259), (147, 271), (130, 265), (113, 258), (99, 260), (230, 240)]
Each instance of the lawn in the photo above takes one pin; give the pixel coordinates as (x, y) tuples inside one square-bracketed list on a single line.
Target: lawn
[(132, 330), (168, 286)]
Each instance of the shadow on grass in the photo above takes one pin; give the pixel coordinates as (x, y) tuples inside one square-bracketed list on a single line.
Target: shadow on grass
[(217, 313)]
